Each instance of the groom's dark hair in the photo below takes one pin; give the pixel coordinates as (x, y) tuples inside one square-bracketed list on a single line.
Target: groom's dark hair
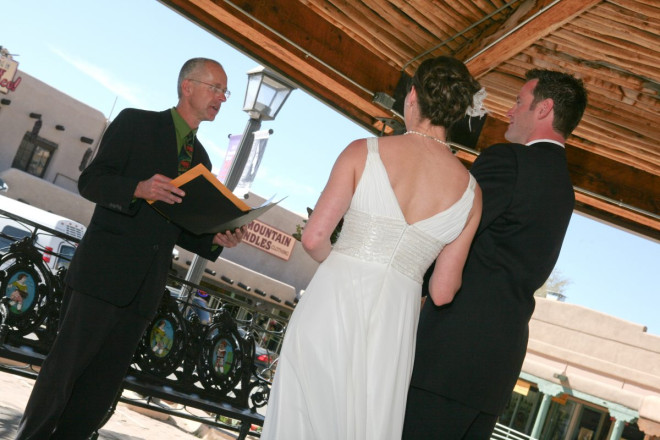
[(568, 95)]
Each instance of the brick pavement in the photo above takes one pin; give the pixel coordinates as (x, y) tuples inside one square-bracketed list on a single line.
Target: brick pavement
[(128, 423)]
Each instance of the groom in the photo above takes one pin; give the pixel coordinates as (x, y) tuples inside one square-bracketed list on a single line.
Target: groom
[(470, 352)]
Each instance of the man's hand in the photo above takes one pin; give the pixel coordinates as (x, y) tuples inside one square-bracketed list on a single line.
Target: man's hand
[(159, 188), (229, 239)]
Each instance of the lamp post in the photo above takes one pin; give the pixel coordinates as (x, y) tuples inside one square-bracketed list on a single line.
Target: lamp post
[(265, 95)]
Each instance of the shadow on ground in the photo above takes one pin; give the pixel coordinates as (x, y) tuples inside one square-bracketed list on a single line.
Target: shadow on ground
[(111, 435), (9, 418)]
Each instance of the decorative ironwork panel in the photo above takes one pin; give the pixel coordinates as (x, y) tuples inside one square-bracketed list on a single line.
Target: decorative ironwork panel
[(163, 345), (26, 281)]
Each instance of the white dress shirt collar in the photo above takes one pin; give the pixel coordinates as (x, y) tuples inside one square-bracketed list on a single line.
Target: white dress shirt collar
[(545, 140)]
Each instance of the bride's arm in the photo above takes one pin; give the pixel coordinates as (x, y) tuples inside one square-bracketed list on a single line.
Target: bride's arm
[(334, 201), (447, 276)]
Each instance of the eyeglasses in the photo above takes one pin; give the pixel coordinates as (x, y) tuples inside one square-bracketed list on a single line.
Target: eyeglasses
[(215, 89)]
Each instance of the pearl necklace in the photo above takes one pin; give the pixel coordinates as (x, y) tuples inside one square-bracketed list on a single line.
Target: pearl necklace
[(429, 137)]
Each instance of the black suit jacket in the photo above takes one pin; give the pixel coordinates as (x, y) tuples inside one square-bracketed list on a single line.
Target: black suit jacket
[(472, 349), (127, 249)]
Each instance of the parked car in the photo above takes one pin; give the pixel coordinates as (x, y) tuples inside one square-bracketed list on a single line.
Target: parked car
[(265, 362)]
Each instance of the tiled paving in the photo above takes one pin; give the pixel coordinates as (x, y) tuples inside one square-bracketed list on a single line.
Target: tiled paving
[(126, 424)]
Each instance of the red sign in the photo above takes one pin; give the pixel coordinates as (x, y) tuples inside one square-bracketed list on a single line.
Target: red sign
[(8, 68)]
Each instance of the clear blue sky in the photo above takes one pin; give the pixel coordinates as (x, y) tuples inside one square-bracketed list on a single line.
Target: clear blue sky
[(127, 53)]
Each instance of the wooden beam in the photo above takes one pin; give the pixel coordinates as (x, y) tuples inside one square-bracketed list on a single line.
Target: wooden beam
[(531, 22), (613, 180), (304, 48), (340, 66), (647, 227)]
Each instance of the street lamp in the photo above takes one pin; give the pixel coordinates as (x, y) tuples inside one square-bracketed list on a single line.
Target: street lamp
[(266, 93)]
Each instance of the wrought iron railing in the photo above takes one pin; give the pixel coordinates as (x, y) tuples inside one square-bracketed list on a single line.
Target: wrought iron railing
[(181, 358)]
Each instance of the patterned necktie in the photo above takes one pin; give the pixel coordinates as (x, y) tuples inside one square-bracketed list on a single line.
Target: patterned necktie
[(185, 155)]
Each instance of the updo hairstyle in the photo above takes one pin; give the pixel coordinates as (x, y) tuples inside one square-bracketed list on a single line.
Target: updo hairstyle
[(445, 90)]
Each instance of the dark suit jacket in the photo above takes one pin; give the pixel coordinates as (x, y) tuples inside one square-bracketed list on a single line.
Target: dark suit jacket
[(472, 349), (127, 249)]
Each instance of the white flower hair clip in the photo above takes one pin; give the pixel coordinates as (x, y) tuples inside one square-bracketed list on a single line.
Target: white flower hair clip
[(477, 108)]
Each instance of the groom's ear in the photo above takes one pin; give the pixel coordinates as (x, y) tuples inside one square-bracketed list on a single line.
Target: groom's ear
[(545, 108)]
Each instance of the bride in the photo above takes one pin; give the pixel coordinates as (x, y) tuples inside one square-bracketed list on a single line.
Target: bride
[(347, 356)]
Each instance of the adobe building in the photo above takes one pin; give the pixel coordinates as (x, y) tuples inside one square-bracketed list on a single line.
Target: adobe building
[(46, 139), (586, 376)]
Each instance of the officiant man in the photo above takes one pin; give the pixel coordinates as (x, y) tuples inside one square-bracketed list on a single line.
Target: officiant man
[(118, 273)]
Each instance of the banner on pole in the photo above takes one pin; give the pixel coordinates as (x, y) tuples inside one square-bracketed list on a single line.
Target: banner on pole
[(253, 162), (251, 166), (234, 142)]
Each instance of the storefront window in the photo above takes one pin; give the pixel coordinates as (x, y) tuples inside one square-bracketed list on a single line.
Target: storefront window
[(594, 424), (567, 418), (521, 411), (558, 421)]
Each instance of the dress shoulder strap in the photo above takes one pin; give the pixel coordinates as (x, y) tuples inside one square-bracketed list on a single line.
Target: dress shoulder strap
[(472, 183), (372, 145)]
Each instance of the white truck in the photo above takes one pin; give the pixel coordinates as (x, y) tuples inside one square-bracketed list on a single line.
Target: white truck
[(19, 220)]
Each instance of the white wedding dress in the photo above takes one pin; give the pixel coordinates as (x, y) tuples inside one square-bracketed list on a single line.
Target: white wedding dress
[(347, 357)]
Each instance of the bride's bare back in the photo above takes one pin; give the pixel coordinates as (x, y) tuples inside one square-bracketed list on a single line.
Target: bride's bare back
[(424, 174)]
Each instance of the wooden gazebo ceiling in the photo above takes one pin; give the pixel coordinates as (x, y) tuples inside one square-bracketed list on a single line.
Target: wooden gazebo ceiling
[(351, 54)]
